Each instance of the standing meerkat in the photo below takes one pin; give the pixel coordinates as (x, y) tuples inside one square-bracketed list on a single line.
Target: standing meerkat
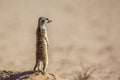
[(42, 44)]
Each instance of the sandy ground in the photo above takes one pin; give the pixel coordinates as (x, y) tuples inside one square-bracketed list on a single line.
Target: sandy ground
[(28, 75), (84, 33)]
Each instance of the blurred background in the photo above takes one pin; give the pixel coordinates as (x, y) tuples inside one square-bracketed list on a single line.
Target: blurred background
[(84, 33)]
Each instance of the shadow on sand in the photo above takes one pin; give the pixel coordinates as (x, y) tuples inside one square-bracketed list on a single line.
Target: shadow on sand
[(19, 75)]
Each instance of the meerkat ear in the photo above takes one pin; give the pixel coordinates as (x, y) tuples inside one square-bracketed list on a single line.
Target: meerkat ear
[(40, 18)]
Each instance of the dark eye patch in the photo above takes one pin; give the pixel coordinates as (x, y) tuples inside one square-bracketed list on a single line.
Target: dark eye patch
[(42, 21)]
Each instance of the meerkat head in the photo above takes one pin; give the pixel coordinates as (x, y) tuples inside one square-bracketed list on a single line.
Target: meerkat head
[(43, 20)]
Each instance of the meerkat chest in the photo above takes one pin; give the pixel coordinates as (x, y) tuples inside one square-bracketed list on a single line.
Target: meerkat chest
[(41, 34), (44, 31)]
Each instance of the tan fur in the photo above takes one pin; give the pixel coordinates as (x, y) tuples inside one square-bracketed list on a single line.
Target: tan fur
[(41, 47)]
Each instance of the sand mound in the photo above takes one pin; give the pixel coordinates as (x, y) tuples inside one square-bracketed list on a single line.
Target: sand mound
[(28, 75)]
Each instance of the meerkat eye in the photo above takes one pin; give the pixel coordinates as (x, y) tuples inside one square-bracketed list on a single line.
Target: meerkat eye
[(42, 21)]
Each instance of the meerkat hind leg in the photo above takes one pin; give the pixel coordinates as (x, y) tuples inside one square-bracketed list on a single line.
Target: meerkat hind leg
[(38, 65), (45, 64), (35, 66)]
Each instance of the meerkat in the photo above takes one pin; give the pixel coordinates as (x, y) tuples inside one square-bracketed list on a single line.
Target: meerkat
[(42, 44)]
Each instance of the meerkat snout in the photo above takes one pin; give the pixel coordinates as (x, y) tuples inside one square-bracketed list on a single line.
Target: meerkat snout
[(48, 20)]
